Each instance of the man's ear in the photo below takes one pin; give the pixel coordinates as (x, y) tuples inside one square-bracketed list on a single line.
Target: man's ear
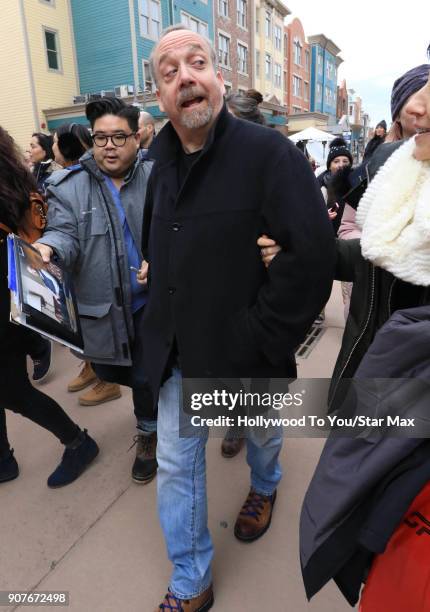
[(160, 104), (220, 79)]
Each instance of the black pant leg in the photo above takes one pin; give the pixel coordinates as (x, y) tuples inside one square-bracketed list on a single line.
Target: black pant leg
[(19, 395), (35, 344), (4, 442)]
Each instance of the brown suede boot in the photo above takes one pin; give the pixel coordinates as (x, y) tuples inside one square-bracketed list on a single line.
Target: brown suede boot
[(101, 392), (85, 377), (201, 603), (230, 447), (255, 516)]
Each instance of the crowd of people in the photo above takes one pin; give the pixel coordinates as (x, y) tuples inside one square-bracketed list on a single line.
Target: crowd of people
[(196, 253)]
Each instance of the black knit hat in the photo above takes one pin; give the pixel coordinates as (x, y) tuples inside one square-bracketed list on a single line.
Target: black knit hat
[(406, 85), (382, 124), (338, 147)]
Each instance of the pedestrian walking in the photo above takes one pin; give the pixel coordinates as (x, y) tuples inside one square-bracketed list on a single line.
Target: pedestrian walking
[(71, 141), (213, 311), (94, 227), (19, 210), (42, 159)]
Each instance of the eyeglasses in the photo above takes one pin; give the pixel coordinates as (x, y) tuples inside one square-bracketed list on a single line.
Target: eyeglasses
[(118, 140)]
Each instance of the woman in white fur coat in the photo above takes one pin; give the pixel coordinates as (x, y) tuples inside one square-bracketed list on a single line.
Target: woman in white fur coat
[(390, 268)]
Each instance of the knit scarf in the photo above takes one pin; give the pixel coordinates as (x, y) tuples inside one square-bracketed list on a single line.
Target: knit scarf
[(394, 214)]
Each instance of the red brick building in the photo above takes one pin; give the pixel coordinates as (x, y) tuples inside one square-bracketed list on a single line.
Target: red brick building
[(297, 68), (233, 36), (342, 101)]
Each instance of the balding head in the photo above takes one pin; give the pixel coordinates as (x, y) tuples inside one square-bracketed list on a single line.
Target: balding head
[(189, 87), (165, 39), (146, 129)]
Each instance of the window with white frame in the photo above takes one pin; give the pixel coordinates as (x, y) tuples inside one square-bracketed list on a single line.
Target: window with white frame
[(268, 71), (148, 83), (327, 95), (278, 38), (257, 63), (306, 90), (150, 19), (223, 8), (52, 49), (278, 76), (307, 60), (224, 50), (285, 82), (319, 92), (268, 24), (196, 25), (285, 45), (297, 86), (320, 63), (297, 52), (329, 67), (241, 13), (242, 58)]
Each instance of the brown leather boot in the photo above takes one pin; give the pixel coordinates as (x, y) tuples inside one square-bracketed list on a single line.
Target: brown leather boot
[(201, 603), (230, 447), (85, 377), (255, 516), (101, 392)]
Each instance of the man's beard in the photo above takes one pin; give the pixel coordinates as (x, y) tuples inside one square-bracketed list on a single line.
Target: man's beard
[(198, 117)]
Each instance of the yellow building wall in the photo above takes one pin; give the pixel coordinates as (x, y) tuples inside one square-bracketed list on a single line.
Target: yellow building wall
[(16, 110), (265, 45), (53, 88)]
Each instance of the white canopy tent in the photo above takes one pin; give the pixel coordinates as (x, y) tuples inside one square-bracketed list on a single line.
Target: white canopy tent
[(316, 143)]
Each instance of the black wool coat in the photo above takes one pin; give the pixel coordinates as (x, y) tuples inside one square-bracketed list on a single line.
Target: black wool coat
[(208, 289)]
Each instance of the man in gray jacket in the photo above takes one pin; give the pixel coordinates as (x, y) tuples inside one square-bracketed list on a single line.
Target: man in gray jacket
[(95, 228)]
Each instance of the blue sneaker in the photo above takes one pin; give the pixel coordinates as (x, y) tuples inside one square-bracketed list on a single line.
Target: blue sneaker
[(42, 364), (9, 469), (74, 461)]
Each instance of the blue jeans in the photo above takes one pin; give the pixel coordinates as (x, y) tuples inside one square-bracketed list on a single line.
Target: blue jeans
[(181, 482)]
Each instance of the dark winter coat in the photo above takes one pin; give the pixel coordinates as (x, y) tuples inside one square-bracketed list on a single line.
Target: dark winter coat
[(372, 145), (209, 289), (376, 295), (362, 486)]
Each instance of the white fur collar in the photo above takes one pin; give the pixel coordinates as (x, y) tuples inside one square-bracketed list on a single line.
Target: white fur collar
[(394, 214)]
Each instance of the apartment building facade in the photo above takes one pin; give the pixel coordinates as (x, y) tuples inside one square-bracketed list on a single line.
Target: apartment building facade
[(114, 40), (325, 61), (37, 64), (269, 48), (233, 42), (297, 68), (114, 50)]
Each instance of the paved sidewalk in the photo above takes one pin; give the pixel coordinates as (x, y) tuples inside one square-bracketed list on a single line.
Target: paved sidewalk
[(99, 538)]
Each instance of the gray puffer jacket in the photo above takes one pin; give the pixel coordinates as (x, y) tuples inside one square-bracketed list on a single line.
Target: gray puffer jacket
[(86, 234)]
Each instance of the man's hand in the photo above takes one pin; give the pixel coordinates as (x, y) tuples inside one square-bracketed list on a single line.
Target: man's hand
[(142, 275), (45, 251), (269, 249)]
